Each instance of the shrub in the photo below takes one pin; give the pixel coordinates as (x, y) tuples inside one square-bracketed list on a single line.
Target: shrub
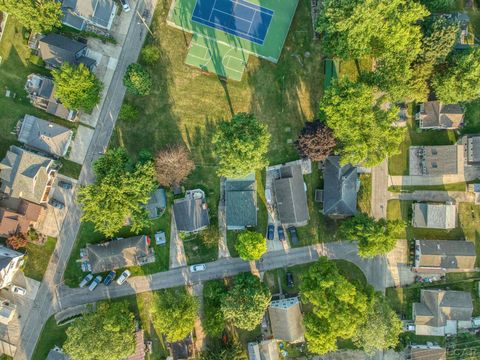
[(150, 54), (128, 112), (137, 80)]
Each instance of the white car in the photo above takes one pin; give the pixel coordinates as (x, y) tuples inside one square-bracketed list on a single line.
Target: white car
[(123, 277), (125, 5), (86, 280), (199, 267), (18, 290), (95, 282)]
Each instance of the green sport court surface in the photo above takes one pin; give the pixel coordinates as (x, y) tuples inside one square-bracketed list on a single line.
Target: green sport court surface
[(223, 52)]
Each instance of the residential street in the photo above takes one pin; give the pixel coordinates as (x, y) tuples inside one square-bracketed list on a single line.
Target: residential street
[(46, 303)]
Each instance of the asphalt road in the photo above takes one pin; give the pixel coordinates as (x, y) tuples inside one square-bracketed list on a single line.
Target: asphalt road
[(46, 302)]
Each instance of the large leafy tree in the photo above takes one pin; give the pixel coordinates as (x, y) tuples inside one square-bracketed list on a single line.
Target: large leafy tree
[(251, 245), (316, 141), (77, 87), (440, 6), (118, 193), (138, 80), (174, 312), (364, 131), (107, 333), (374, 237), (246, 302), (173, 164), (222, 351), (36, 15), (458, 81), (241, 145), (213, 321), (338, 307), (381, 329)]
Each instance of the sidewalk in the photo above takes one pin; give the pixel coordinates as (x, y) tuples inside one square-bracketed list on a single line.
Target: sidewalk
[(177, 251)]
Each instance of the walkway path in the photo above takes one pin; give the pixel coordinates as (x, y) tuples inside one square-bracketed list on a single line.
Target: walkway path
[(380, 190), (413, 180), (177, 251), (197, 291), (223, 251), (438, 196)]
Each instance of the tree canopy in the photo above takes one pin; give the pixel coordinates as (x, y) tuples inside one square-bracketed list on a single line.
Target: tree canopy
[(213, 321), (361, 127), (107, 333), (174, 312), (251, 245), (138, 80), (375, 237), (36, 15), (316, 141), (220, 351), (173, 164), (77, 87), (118, 192), (458, 80), (241, 145), (338, 307), (246, 302)]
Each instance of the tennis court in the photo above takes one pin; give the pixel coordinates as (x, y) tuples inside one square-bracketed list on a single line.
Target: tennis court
[(236, 17)]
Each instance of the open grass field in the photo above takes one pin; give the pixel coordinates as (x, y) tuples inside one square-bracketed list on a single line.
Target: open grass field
[(38, 257)]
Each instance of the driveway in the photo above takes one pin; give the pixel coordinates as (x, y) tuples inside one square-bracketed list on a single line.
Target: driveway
[(177, 251), (223, 251), (380, 190), (437, 196)]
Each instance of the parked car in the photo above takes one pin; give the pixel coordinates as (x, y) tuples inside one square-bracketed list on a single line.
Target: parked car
[(18, 290), (125, 5), (65, 185), (290, 282), (95, 283), (281, 233), (86, 280), (109, 278), (270, 231), (123, 277), (57, 204), (292, 231), (198, 267)]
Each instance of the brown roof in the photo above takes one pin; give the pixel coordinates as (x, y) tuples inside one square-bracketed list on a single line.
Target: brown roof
[(139, 347), (9, 222), (19, 220), (286, 320), (445, 254), (428, 354), (440, 116)]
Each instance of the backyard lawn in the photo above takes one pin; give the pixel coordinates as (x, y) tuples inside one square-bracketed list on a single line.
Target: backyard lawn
[(38, 257)]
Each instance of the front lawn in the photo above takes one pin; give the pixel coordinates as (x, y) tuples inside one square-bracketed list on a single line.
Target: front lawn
[(364, 196), (52, 335), (70, 168), (460, 186), (38, 257), (197, 251)]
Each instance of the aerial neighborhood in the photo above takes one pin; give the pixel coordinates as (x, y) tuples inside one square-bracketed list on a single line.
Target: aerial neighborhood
[(239, 179)]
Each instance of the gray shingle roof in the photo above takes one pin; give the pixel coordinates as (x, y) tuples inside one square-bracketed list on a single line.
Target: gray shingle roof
[(241, 203), (290, 195), (434, 216), (340, 188), (56, 49), (96, 11), (446, 254), (190, 215), (428, 354)]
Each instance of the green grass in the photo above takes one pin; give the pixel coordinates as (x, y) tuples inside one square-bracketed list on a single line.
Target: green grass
[(364, 196), (38, 257), (88, 235), (70, 168), (460, 186), (51, 335), (197, 251)]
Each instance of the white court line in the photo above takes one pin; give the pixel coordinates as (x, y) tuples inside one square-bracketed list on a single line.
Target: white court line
[(222, 27), (213, 8), (257, 8)]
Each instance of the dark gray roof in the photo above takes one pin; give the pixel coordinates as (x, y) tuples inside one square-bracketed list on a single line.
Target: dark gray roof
[(340, 188), (241, 203), (190, 214), (56, 49), (73, 21), (290, 195), (57, 355), (95, 11)]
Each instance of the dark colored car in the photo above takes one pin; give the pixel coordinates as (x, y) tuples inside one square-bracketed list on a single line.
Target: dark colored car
[(270, 231), (65, 185), (281, 233), (57, 204), (290, 282), (292, 230), (109, 278)]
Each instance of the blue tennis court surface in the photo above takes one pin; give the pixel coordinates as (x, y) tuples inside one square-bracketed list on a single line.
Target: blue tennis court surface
[(236, 17)]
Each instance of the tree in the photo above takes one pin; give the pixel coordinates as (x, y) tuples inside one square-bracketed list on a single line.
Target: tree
[(220, 351), (17, 241), (173, 164), (362, 128), (150, 54), (77, 87), (316, 141), (251, 245), (241, 145), (439, 6), (107, 333), (174, 312), (40, 16), (458, 81), (128, 112), (439, 39), (374, 237), (381, 329), (118, 193), (138, 80), (338, 307), (213, 321), (245, 303)]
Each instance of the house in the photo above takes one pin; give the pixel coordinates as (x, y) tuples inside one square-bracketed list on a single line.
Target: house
[(26, 175), (441, 256), (157, 204), (434, 216), (442, 312), (340, 188), (191, 212), (290, 195), (57, 354), (473, 150), (139, 346), (119, 253), (436, 115), (425, 352), (19, 220), (45, 136), (10, 262), (436, 160), (182, 349), (81, 13), (56, 49), (286, 320), (241, 202), (265, 350), (7, 311), (41, 92)]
